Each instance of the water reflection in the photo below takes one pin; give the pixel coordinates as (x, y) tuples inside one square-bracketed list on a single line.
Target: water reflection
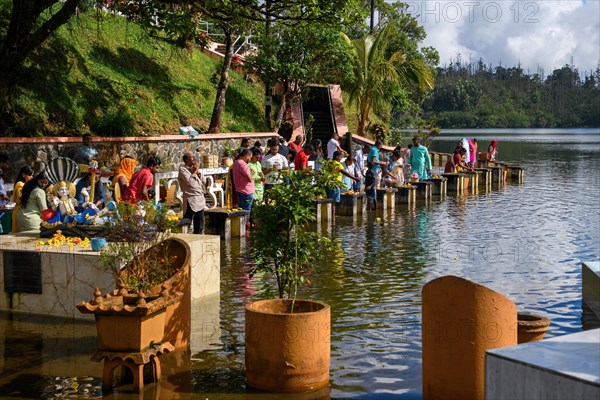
[(525, 241)]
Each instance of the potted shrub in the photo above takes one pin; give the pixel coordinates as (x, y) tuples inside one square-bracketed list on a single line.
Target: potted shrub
[(287, 339), (229, 153), (149, 266)]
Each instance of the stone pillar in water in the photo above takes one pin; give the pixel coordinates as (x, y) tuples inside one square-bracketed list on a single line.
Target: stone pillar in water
[(461, 320)]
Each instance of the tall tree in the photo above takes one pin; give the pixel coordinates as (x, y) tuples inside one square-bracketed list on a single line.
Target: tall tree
[(308, 53), (374, 73), (31, 23), (293, 12), (232, 23)]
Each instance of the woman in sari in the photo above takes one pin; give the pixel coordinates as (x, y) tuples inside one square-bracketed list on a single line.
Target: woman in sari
[(33, 202), (123, 175), (25, 174), (492, 152)]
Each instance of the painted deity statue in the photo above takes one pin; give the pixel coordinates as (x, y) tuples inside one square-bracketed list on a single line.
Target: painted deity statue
[(63, 204)]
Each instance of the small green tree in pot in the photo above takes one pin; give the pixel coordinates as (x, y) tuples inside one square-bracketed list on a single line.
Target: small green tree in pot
[(284, 353), (281, 245)]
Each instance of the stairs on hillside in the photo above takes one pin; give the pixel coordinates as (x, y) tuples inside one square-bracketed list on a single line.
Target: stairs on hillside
[(318, 104), (236, 49)]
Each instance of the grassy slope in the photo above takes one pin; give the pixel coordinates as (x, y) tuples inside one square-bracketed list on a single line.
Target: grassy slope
[(106, 76)]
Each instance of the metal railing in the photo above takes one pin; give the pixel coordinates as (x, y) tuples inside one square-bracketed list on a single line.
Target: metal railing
[(213, 30)]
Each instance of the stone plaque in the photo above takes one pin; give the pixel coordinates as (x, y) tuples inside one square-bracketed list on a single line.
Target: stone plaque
[(22, 272)]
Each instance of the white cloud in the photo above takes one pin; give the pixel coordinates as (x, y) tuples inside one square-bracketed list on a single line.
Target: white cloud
[(547, 33)]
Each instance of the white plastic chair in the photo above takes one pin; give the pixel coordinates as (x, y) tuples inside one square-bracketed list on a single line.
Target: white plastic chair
[(216, 191)]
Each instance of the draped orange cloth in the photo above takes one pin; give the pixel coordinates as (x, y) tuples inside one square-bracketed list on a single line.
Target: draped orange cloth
[(126, 168)]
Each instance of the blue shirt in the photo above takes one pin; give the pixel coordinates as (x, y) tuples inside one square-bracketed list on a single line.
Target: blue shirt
[(374, 157), (99, 193)]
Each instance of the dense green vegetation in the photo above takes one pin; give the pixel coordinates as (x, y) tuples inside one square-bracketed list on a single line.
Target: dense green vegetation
[(101, 74), (479, 96)]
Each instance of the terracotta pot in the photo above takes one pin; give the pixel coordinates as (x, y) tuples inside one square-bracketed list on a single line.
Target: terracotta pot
[(131, 333), (287, 352), (130, 322), (531, 327), (178, 318)]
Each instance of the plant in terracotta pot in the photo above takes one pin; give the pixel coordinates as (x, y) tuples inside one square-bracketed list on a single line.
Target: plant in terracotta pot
[(229, 153), (287, 339), (145, 260), (137, 238)]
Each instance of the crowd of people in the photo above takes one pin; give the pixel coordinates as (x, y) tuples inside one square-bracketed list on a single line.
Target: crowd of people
[(465, 155), (36, 203), (256, 169)]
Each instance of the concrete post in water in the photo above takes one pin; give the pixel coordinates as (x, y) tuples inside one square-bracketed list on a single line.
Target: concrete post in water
[(455, 182), (497, 175), (473, 184), (406, 195), (444, 159), (423, 190), (324, 210), (485, 180), (386, 199), (348, 206), (516, 173), (461, 320), (438, 186), (362, 203)]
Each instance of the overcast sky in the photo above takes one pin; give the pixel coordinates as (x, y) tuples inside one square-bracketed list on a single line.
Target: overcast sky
[(547, 33)]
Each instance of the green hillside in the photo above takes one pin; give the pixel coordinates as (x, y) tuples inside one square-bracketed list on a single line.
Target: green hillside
[(103, 75)]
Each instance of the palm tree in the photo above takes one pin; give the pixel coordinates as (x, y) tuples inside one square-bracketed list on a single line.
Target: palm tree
[(374, 74)]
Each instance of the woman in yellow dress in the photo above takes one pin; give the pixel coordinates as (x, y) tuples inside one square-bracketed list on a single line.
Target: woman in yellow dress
[(25, 174)]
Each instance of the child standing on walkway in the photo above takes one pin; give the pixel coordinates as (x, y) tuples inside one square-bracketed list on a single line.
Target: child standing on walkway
[(371, 187)]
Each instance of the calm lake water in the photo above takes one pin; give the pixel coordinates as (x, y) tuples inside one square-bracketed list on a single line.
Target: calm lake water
[(526, 241)]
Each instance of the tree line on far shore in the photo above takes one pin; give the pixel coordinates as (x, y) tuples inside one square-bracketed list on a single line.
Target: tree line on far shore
[(476, 95)]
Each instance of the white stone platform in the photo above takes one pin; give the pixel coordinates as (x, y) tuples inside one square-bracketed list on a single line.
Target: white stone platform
[(564, 367), (70, 275)]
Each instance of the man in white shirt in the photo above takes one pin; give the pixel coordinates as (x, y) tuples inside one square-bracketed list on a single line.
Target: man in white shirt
[(334, 145), (272, 163)]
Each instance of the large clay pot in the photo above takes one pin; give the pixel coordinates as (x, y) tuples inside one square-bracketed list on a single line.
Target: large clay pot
[(179, 314), (287, 352), (178, 317), (129, 322), (531, 327), (126, 324), (131, 333)]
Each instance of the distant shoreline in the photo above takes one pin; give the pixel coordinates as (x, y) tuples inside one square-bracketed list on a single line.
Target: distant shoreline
[(514, 131)]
